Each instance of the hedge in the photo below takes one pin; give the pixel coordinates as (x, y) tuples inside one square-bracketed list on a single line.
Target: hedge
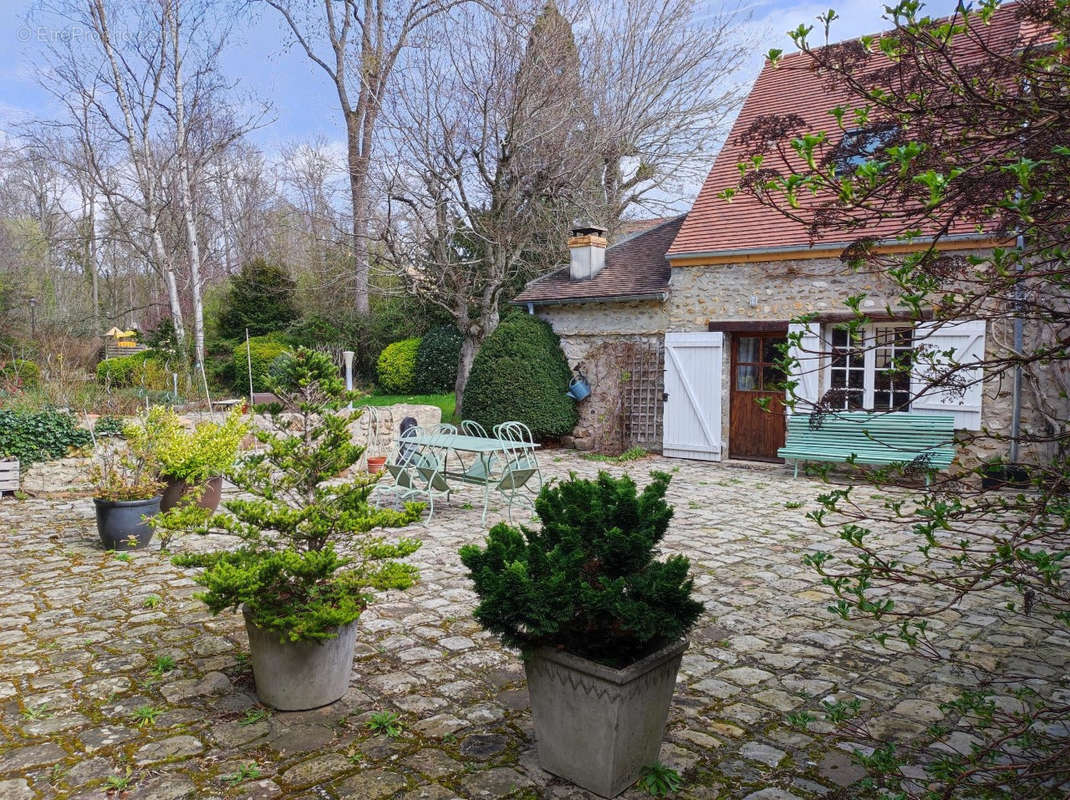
[(521, 374), (137, 369), (22, 372), (436, 360), (263, 350), (396, 367), (39, 436)]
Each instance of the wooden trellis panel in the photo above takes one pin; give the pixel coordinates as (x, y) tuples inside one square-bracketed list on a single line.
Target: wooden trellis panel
[(642, 394)]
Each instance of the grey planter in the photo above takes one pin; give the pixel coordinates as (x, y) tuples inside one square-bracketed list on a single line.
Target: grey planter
[(598, 726), (121, 525), (297, 676)]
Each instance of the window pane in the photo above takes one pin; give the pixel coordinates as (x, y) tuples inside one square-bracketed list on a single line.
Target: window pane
[(747, 378), (749, 348), (856, 379), (772, 378), (771, 350)]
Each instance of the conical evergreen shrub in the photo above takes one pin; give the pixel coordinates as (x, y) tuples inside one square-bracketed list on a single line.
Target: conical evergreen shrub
[(521, 374), (587, 581)]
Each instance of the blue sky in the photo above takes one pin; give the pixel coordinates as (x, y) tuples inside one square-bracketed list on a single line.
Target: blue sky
[(303, 102)]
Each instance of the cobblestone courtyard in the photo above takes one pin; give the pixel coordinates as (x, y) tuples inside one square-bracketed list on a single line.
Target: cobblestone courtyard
[(87, 703)]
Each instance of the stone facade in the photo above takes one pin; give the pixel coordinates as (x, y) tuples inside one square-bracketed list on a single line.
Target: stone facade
[(601, 340), (771, 291)]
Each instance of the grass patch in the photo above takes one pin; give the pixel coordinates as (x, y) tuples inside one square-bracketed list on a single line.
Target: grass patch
[(634, 454), (447, 402)]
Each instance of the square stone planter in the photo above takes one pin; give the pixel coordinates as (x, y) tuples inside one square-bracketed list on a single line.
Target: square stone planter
[(598, 726)]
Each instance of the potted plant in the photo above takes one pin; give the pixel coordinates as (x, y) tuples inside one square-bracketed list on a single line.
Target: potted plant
[(600, 622), (307, 559), (192, 462), (127, 489)]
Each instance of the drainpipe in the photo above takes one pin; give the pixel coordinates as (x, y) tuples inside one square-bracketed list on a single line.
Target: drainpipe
[(1016, 397)]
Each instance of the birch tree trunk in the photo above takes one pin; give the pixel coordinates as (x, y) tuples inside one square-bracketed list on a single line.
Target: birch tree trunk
[(185, 199)]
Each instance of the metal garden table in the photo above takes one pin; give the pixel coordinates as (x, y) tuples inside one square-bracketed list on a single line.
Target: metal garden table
[(517, 466)]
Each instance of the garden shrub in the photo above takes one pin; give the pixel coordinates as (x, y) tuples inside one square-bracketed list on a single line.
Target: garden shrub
[(396, 367), (21, 372), (143, 369), (521, 374), (263, 351), (587, 581), (39, 436), (260, 299), (436, 360)]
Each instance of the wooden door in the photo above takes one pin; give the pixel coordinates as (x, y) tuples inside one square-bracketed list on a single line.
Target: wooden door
[(692, 411), (756, 429)]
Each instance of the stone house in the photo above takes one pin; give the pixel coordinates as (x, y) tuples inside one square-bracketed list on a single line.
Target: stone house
[(677, 327)]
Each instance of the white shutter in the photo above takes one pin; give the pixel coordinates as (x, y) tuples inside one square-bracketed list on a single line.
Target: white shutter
[(961, 396), (807, 371), (692, 412)]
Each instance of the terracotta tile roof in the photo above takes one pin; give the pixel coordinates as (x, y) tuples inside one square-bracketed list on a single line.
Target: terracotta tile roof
[(636, 267), (630, 227), (715, 225)]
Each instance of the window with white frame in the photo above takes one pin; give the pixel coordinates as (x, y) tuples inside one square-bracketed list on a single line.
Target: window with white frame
[(870, 368)]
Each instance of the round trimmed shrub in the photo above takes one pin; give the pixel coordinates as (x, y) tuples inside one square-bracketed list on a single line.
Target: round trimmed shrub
[(263, 350), (396, 367), (25, 374), (521, 374), (436, 360)]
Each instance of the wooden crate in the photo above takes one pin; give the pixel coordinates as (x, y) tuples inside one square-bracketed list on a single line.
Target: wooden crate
[(9, 475)]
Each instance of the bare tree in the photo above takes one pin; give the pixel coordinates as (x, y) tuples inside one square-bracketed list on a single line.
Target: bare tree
[(493, 163), (659, 75), (357, 43)]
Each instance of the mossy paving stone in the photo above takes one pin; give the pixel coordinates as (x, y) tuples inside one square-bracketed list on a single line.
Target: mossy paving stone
[(173, 747), (430, 791), (433, 763), (16, 789), (22, 759), (483, 746), (370, 784), (316, 770), (493, 783)]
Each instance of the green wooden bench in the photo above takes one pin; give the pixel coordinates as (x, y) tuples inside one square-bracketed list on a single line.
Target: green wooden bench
[(879, 439)]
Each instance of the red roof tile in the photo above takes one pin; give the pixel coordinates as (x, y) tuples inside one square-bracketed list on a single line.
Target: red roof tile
[(636, 267), (715, 225)]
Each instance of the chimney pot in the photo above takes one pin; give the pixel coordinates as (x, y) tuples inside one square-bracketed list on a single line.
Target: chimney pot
[(587, 250)]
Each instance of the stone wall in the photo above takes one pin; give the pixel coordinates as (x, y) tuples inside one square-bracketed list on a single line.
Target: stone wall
[(600, 339)]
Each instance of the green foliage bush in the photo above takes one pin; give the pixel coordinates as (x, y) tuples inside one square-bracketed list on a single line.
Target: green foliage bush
[(208, 450), (286, 571), (21, 372), (436, 359), (521, 374), (39, 436), (260, 299), (396, 367), (587, 581), (144, 369), (264, 351)]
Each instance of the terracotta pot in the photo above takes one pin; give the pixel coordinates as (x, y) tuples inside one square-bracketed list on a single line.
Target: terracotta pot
[(376, 464), (176, 489)]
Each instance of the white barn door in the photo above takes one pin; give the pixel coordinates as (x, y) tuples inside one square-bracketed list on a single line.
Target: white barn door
[(692, 412)]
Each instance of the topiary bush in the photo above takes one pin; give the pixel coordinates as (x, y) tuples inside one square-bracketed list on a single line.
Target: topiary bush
[(521, 374), (587, 581), (137, 369), (260, 298), (396, 367), (39, 436), (263, 351), (436, 360), (21, 373)]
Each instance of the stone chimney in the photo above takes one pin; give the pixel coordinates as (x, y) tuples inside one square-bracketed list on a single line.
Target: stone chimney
[(587, 248)]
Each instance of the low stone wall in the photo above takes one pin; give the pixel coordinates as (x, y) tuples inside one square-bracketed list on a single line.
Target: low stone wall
[(376, 430)]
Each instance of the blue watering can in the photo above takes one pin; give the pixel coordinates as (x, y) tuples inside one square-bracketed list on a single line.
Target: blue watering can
[(578, 388)]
